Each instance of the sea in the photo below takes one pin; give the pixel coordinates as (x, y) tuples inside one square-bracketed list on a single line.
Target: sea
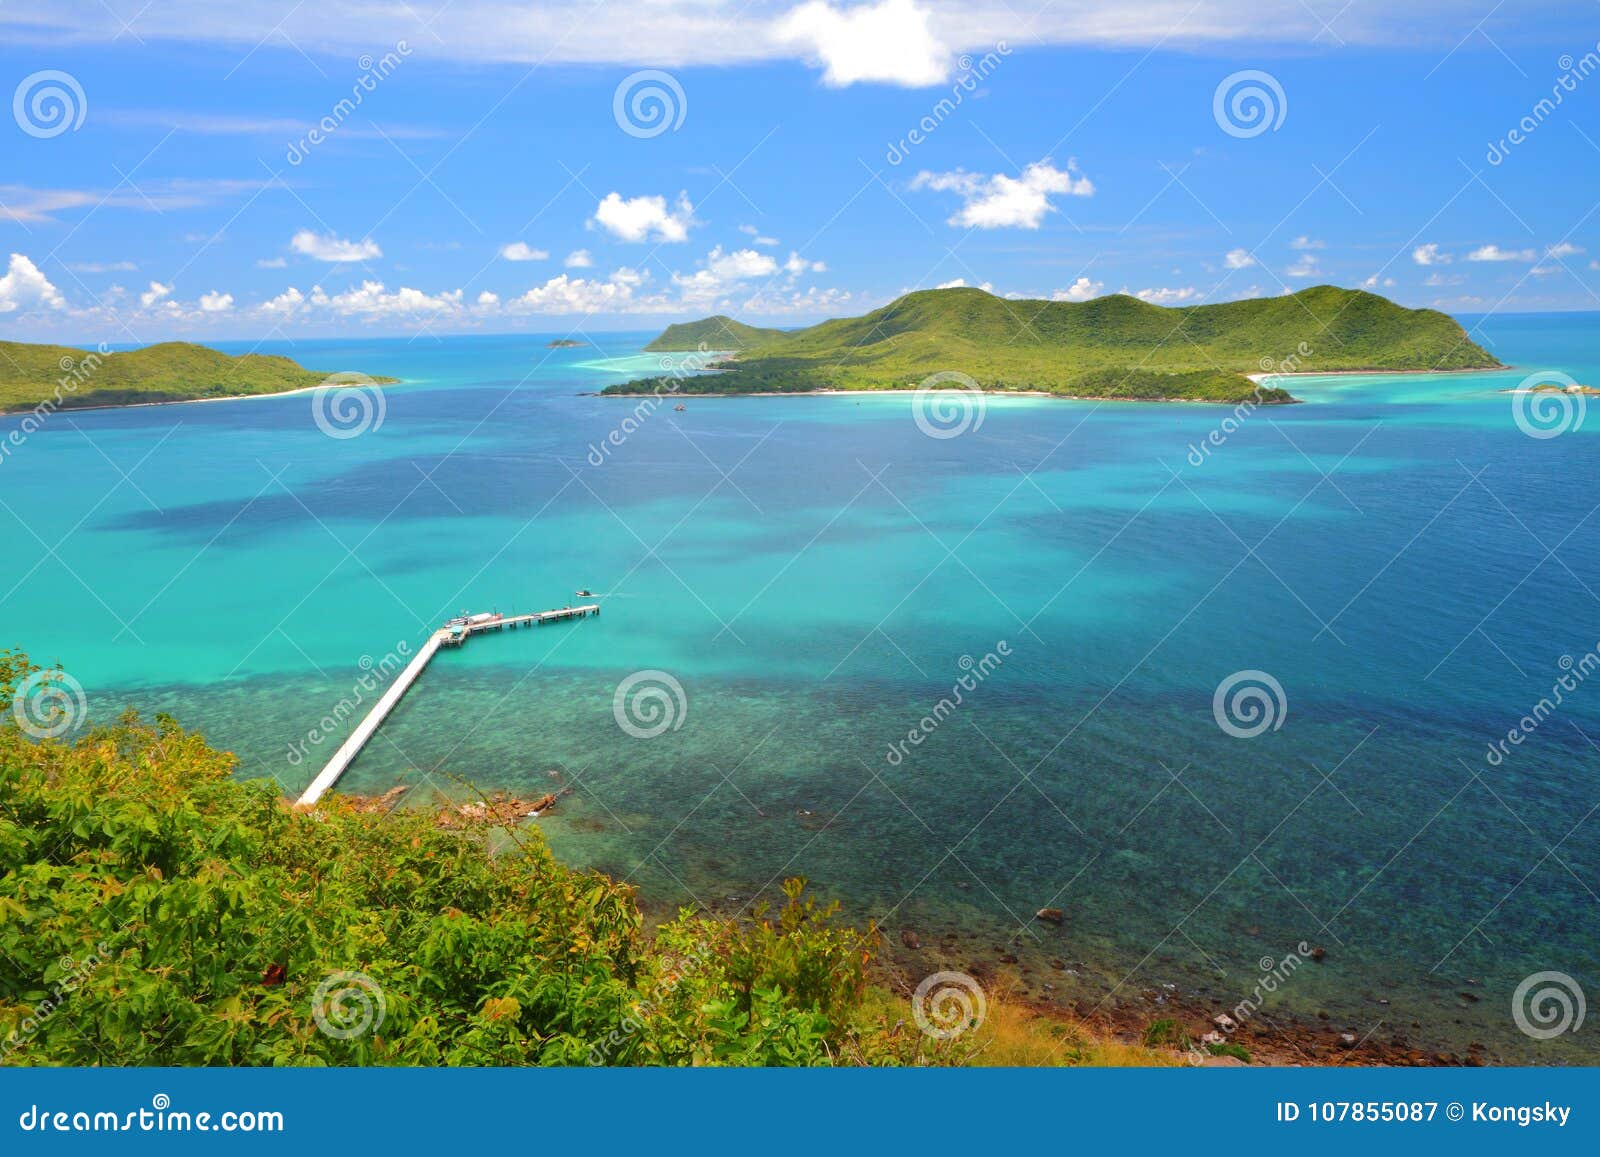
[(1285, 704)]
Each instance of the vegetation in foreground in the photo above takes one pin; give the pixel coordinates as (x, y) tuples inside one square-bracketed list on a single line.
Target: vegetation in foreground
[(1112, 347), (155, 911), (61, 377)]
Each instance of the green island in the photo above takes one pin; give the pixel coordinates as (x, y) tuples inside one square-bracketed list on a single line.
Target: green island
[(564, 343), (155, 910), (56, 377), (1114, 347)]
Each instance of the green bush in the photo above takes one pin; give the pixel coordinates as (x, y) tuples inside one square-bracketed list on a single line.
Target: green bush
[(155, 911)]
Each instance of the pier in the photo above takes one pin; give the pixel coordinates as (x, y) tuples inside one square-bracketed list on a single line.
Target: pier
[(454, 633)]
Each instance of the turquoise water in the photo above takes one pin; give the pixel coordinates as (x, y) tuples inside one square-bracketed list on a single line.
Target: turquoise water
[(816, 573)]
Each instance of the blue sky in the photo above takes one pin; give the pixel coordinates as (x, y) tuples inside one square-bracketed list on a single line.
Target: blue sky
[(161, 178)]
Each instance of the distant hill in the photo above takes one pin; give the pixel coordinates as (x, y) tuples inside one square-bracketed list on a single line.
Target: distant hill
[(1111, 347), (68, 378), (714, 333)]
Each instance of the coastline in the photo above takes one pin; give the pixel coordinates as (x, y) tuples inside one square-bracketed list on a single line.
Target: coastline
[(1032, 979), (1262, 375), (1024, 978), (957, 390), (189, 401)]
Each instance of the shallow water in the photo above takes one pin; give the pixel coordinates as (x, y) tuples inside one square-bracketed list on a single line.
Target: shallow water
[(816, 573)]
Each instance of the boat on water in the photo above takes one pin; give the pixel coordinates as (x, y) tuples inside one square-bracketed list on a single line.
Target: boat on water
[(584, 594)]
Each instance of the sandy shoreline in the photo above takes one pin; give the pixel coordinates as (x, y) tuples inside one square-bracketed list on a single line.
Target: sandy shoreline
[(192, 401), (957, 390), (1260, 377)]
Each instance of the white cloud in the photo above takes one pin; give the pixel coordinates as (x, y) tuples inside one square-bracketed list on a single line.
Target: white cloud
[(1166, 296), (696, 32), (567, 294), (487, 300), (215, 302), (1303, 242), (796, 265), (331, 248), (722, 272), (757, 237), (288, 302), (1375, 281), (1306, 266), (1238, 259), (155, 293), (1495, 253), (23, 287), (961, 283), (579, 259), (1438, 279), (644, 218), (272, 263), (520, 251), (129, 267), (1001, 201), (740, 264), (372, 300), (1429, 255), (890, 42), (1080, 290), (1564, 249)]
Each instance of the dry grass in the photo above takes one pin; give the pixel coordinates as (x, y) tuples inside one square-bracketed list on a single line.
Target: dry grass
[(1015, 1035)]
